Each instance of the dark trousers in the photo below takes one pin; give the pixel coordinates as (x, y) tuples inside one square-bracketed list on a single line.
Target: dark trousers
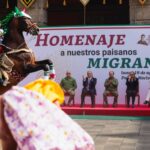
[(131, 94), (90, 93)]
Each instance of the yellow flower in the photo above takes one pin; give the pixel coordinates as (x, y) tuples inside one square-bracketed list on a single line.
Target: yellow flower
[(50, 89)]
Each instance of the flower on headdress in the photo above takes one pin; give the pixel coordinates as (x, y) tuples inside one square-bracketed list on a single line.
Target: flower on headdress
[(1, 32), (15, 13)]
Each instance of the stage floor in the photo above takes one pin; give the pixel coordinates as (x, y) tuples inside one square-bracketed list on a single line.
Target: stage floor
[(120, 110)]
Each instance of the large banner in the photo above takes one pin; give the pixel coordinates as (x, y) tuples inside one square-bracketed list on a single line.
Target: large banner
[(99, 49)]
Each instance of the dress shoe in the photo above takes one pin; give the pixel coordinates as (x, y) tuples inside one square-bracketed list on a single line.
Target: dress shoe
[(114, 104), (146, 102), (64, 104), (105, 104), (132, 105)]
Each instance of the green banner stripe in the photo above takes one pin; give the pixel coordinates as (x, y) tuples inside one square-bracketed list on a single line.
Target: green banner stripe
[(92, 117)]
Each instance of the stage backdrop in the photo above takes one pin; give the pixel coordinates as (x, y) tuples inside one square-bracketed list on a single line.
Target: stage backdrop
[(96, 48)]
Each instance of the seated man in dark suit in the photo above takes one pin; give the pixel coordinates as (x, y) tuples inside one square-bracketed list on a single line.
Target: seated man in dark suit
[(89, 84)]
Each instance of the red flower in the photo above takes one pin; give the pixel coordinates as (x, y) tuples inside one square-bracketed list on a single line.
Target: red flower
[(1, 49), (52, 76)]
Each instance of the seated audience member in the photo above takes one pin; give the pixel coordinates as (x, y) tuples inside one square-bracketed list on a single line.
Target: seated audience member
[(147, 100), (111, 88), (132, 83), (89, 84), (69, 85)]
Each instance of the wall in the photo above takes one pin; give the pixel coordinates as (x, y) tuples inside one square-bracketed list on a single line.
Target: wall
[(37, 11), (139, 14)]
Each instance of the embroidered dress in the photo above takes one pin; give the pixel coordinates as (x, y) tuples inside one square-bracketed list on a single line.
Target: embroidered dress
[(38, 124)]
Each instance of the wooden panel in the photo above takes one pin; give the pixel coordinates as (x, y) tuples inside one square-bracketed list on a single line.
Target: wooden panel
[(71, 14), (3, 10), (111, 13), (65, 18), (96, 12)]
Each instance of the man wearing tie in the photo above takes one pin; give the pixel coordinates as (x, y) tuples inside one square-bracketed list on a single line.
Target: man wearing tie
[(89, 84)]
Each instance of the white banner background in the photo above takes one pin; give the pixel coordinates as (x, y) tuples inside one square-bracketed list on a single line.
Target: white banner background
[(78, 64)]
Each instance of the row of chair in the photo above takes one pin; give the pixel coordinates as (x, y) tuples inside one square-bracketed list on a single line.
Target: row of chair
[(138, 98)]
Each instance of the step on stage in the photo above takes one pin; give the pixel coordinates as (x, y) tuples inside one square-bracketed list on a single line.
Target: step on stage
[(120, 110)]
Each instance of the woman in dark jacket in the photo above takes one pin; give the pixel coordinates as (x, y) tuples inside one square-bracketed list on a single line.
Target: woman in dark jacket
[(132, 83)]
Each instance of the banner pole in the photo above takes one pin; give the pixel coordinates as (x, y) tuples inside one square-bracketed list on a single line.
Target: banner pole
[(84, 15)]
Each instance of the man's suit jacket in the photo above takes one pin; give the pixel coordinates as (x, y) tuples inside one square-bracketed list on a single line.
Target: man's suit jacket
[(92, 84)]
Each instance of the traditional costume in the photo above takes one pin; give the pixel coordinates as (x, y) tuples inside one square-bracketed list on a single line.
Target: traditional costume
[(36, 123)]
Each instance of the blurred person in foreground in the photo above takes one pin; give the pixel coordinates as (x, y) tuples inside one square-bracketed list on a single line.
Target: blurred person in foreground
[(30, 119)]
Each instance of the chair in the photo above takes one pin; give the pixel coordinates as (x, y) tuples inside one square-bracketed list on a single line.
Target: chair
[(88, 95), (138, 98), (137, 95), (111, 95), (67, 95)]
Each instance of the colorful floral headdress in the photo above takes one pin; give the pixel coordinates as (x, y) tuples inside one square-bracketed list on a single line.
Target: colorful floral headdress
[(15, 13)]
